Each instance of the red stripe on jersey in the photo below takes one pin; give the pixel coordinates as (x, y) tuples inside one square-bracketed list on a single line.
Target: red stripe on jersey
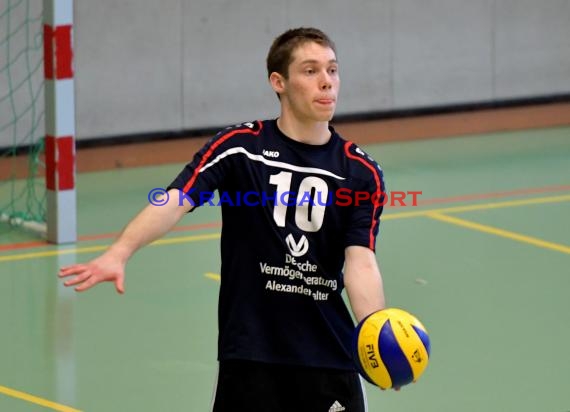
[(378, 187), (211, 150)]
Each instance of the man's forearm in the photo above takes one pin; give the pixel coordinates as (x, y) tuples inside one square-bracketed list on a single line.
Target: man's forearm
[(363, 282), (150, 224)]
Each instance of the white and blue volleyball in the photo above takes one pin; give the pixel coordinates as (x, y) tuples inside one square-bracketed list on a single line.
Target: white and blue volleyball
[(391, 348)]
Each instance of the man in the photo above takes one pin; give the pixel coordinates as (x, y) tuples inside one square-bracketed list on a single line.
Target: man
[(298, 204)]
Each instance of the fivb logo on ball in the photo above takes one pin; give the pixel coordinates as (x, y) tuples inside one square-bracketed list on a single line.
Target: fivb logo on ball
[(371, 352)]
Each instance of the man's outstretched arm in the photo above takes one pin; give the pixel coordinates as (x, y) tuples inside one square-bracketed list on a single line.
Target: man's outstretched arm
[(150, 224)]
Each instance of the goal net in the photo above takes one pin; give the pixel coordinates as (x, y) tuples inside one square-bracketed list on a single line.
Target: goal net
[(22, 182)]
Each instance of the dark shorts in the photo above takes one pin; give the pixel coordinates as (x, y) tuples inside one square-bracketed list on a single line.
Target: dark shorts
[(259, 387)]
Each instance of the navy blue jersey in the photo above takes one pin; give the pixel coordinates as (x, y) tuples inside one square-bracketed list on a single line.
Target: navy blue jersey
[(289, 210)]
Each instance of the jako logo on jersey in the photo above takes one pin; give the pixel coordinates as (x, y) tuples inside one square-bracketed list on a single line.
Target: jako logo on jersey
[(297, 249), (270, 153)]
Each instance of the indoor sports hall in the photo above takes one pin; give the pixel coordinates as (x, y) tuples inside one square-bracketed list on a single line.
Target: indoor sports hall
[(475, 240)]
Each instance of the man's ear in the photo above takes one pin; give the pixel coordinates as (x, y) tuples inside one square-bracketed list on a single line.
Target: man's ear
[(277, 82)]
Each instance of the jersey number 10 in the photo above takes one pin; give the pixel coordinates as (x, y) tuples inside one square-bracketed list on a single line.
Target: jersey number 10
[(310, 205)]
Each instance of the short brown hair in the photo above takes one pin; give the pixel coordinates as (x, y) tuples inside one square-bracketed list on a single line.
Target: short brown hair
[(281, 51)]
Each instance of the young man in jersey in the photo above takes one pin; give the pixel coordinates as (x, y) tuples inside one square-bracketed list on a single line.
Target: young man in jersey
[(284, 330)]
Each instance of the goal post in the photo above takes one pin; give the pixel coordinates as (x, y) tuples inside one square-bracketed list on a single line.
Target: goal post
[(59, 92)]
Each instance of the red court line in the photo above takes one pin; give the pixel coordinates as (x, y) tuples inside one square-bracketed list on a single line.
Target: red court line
[(212, 225), (481, 196), (22, 245), (198, 226), (30, 245)]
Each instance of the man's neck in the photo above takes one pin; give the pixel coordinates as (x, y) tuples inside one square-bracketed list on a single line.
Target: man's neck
[(310, 132)]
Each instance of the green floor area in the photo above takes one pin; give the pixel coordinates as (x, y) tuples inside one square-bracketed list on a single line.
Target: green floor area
[(488, 274)]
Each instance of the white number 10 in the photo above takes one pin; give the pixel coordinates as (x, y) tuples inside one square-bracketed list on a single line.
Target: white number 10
[(310, 205)]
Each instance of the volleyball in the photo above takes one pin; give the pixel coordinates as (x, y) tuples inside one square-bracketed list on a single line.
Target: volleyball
[(391, 348)]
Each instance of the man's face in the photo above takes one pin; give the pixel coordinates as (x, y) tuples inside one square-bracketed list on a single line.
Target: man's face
[(310, 92)]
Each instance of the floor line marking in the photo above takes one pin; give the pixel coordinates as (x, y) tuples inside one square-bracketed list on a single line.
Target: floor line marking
[(101, 236), (477, 207), (213, 276), (49, 253), (500, 232), (37, 400), (461, 198), (388, 216), (495, 195)]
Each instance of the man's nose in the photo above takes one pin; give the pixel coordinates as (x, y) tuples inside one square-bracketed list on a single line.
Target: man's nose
[(326, 82)]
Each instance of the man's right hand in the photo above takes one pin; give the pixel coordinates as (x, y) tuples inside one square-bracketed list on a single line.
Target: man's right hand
[(105, 268)]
